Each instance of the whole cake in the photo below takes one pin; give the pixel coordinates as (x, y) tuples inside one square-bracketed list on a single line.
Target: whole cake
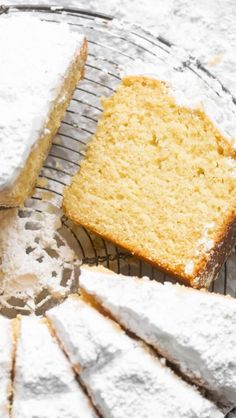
[(41, 63), (159, 180)]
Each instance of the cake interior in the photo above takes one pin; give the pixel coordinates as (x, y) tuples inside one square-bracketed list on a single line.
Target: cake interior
[(158, 179)]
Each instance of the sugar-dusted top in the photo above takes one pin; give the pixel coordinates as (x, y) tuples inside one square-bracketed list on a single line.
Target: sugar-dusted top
[(91, 339), (44, 380), (191, 90), (35, 56), (193, 328), (121, 376)]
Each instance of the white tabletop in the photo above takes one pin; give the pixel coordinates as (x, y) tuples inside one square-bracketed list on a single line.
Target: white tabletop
[(206, 28)]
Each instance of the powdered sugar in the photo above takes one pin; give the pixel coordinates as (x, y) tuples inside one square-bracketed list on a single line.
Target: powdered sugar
[(79, 321), (35, 56), (44, 381), (186, 326), (6, 360), (205, 243), (206, 29), (122, 377), (189, 267)]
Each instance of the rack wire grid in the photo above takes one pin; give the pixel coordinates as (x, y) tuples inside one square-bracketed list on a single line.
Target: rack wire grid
[(111, 45)]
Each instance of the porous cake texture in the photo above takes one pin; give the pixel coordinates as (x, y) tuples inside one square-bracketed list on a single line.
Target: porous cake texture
[(122, 377), (194, 329), (159, 180), (41, 63)]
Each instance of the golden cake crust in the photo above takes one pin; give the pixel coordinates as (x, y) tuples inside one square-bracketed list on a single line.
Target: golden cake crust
[(23, 187)]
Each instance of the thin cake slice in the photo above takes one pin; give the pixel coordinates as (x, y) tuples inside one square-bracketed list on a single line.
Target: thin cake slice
[(159, 180), (194, 329), (6, 364), (44, 384), (122, 377), (41, 63)]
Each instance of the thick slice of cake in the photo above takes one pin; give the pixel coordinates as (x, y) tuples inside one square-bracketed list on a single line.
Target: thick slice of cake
[(6, 364), (159, 180), (194, 329), (41, 63), (123, 378), (44, 384)]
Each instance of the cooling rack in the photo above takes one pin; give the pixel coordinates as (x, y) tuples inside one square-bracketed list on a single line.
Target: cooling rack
[(111, 46)]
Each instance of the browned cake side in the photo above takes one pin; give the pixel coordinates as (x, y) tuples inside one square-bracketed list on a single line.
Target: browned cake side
[(23, 187)]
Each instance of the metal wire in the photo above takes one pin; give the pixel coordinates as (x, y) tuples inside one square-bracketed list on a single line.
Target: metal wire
[(109, 46)]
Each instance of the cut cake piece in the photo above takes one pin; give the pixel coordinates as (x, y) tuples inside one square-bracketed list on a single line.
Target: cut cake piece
[(159, 180), (6, 365), (45, 385), (123, 378), (194, 329), (41, 63)]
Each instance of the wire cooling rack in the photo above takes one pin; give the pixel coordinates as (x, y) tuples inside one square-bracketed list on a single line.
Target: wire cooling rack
[(111, 45)]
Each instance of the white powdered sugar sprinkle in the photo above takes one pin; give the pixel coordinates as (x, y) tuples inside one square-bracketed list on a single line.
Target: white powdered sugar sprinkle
[(189, 267), (191, 91), (35, 57), (44, 380), (186, 326), (122, 377)]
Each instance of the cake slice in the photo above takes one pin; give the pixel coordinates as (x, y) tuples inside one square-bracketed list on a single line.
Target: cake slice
[(122, 377), (6, 364), (44, 384), (158, 180), (41, 63), (194, 329)]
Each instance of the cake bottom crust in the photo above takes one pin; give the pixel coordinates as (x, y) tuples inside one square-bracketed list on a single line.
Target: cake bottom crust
[(23, 187)]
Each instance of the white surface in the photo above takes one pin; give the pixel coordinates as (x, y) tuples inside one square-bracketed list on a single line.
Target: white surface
[(6, 353), (45, 386), (205, 28), (36, 56), (196, 330), (123, 379)]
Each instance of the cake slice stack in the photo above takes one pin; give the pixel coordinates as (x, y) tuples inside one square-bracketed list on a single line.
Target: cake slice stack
[(194, 329), (44, 384), (123, 378)]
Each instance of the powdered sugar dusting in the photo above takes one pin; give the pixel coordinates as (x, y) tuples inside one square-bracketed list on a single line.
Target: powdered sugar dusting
[(122, 377), (187, 326), (189, 267), (35, 56), (44, 381), (191, 91)]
